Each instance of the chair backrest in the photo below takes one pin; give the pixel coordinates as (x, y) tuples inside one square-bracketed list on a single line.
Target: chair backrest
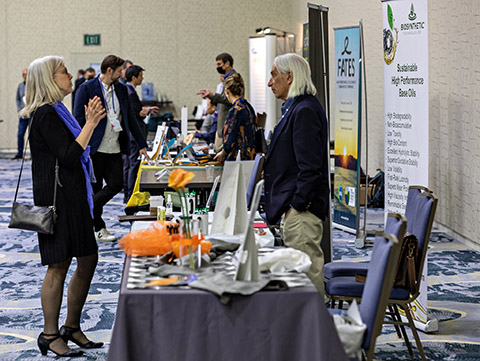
[(381, 273), (255, 177), (427, 206), (412, 204), (396, 224)]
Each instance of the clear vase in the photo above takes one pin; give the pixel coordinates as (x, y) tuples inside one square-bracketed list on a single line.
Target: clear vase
[(189, 247)]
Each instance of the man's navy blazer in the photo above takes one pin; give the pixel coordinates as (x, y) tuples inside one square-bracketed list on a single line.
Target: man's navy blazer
[(296, 167), (87, 91), (136, 106)]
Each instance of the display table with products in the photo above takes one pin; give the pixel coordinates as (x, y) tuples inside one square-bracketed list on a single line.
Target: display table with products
[(189, 324), (149, 181)]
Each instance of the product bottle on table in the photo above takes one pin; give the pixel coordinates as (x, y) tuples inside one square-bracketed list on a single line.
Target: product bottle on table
[(169, 206)]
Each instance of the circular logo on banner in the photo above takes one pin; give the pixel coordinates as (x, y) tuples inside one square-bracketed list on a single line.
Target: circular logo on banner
[(390, 38)]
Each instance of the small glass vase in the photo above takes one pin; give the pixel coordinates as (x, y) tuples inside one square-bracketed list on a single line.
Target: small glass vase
[(189, 247)]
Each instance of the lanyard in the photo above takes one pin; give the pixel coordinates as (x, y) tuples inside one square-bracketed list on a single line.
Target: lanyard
[(105, 95)]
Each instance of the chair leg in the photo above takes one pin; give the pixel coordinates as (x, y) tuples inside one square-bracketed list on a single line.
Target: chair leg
[(415, 333), (394, 318), (332, 303), (404, 333), (340, 304)]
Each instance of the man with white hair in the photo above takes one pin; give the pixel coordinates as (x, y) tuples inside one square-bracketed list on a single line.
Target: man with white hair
[(296, 166)]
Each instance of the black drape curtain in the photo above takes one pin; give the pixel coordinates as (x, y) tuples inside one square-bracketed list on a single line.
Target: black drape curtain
[(317, 57)]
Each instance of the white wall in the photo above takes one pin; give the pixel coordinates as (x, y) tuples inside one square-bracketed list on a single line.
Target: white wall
[(175, 41)]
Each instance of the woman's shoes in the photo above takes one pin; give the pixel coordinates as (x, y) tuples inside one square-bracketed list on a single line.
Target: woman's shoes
[(44, 345), (67, 335)]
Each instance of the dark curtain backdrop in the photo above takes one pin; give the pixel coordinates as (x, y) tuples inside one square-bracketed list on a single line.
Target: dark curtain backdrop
[(317, 56)]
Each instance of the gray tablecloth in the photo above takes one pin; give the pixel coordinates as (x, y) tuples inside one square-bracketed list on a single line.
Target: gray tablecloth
[(185, 325)]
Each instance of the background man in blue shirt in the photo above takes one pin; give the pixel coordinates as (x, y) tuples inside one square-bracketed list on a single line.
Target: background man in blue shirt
[(22, 122)]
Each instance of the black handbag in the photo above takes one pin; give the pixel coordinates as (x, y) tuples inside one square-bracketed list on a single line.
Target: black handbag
[(39, 219)]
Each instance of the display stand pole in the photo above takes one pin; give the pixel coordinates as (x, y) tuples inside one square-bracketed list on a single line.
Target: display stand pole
[(360, 241)]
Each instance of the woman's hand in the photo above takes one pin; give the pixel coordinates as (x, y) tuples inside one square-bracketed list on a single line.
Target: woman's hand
[(220, 157), (94, 112)]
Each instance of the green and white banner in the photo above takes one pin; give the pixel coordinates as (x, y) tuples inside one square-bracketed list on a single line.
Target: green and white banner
[(405, 53), (347, 116)]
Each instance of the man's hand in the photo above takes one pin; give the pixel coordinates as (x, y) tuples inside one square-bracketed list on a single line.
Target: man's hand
[(144, 112), (205, 150), (154, 110), (143, 152), (205, 93)]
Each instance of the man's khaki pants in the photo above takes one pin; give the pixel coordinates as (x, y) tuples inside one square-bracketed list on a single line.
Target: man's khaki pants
[(303, 231)]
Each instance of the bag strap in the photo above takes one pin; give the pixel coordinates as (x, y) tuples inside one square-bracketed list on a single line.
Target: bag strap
[(57, 179)]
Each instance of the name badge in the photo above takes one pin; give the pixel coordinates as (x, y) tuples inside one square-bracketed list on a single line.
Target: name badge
[(114, 121)]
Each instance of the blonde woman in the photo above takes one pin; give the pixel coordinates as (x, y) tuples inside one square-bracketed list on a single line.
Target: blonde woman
[(55, 136)]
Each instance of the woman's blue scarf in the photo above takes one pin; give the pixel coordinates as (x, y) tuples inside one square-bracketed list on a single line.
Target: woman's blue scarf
[(75, 128)]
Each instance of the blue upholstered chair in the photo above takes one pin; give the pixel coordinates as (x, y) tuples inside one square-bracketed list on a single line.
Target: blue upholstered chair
[(346, 288), (411, 208), (395, 225), (255, 177), (377, 288), (342, 268)]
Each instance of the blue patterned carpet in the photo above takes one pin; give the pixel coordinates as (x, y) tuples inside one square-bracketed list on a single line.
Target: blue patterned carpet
[(454, 287)]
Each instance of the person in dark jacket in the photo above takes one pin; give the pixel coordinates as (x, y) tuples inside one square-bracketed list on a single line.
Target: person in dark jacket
[(224, 64), (296, 165), (134, 77), (88, 74), (208, 135), (55, 136), (111, 138)]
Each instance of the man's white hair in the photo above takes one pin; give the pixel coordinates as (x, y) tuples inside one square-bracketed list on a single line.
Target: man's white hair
[(300, 70), (40, 88)]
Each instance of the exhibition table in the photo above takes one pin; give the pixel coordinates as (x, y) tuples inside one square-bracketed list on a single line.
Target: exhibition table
[(188, 324), (202, 182), (150, 183)]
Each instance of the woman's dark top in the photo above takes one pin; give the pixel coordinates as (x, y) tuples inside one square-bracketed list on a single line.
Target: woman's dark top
[(239, 131), (50, 139)]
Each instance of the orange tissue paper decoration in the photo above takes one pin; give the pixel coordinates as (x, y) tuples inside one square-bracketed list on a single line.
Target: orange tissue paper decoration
[(179, 178), (195, 241), (152, 241)]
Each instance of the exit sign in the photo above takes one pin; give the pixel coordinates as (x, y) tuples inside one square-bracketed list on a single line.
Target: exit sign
[(91, 39)]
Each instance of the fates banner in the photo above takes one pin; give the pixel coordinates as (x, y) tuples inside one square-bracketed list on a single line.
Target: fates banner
[(347, 113)]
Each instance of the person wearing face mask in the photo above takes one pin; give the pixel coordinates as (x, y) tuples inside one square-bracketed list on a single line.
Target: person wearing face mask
[(224, 63), (111, 138), (239, 129)]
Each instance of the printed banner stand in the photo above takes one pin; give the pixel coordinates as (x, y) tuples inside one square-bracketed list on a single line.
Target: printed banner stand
[(347, 115), (405, 52)]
